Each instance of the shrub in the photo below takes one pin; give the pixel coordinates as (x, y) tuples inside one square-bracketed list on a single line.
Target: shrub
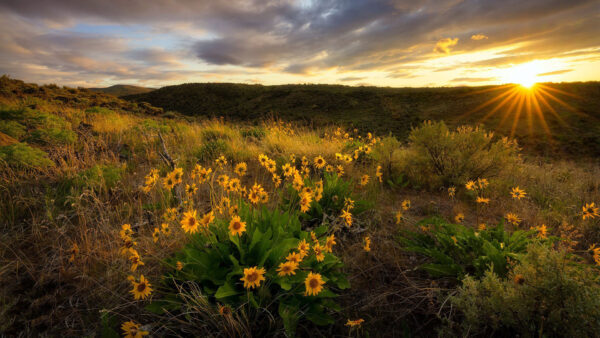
[(456, 250), (51, 136), (214, 262), (548, 295), (254, 132), (21, 155), (212, 149), (335, 192), (439, 157), (99, 111), (99, 176), (13, 129), (45, 128)]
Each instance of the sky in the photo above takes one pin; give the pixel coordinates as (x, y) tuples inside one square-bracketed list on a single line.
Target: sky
[(401, 43)]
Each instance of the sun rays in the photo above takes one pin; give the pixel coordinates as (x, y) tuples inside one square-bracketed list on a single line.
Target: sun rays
[(524, 102)]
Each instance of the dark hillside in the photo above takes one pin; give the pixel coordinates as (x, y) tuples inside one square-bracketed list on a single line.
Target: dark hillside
[(575, 131), (122, 90)]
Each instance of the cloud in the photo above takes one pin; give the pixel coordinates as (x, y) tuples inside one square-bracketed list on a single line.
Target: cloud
[(443, 46), (477, 37), (556, 72), (148, 40), (473, 79), (351, 78)]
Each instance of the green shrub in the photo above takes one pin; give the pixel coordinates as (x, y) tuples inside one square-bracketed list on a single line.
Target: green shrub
[(99, 111), (211, 135), (548, 295), (210, 150), (335, 192), (44, 128), (13, 129), (456, 250), (21, 155), (52, 136), (99, 176), (439, 157), (254, 132), (214, 262)]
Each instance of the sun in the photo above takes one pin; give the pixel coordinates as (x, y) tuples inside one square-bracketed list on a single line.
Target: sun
[(525, 75)]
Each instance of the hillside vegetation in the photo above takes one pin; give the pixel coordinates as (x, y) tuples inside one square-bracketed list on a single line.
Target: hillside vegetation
[(122, 90), (117, 218), (574, 127)]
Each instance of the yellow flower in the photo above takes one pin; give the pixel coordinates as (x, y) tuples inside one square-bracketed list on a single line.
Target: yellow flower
[(165, 229), (481, 227), (221, 161), (223, 180), (517, 193), (482, 182), (189, 223), (169, 182), (483, 200), (125, 231), (179, 266), (141, 289), (201, 174), (262, 159), (329, 243), (367, 246), (364, 180), (132, 330), (470, 185), (398, 217), (288, 170), (379, 174), (271, 166), (542, 231), (406, 204), (236, 226), (354, 323), (347, 217), (224, 310), (253, 197), (304, 161), (513, 218), (294, 257), (135, 260), (240, 169), (171, 214), (156, 234), (303, 247), (252, 277), (454, 239), (305, 200), (459, 217), (313, 283), (234, 185), (207, 219), (339, 170), (191, 189), (451, 191), (287, 268), (177, 175), (276, 180), (329, 168), (319, 162), (590, 211), (74, 252), (318, 249), (348, 203)]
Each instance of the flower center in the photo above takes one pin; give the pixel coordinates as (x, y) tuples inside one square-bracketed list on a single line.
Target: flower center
[(141, 287), (313, 283), (252, 276)]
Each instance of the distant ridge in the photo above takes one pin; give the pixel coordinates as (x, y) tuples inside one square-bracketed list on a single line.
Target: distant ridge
[(122, 90), (574, 129)]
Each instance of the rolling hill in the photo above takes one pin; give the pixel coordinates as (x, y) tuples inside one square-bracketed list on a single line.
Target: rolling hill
[(568, 120), (122, 90)]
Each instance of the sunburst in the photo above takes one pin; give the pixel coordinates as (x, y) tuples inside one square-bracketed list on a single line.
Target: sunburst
[(528, 99)]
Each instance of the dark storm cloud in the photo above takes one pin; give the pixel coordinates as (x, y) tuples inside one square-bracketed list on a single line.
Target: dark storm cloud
[(299, 37)]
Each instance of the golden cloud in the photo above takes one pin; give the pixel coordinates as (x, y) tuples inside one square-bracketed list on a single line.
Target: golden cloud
[(443, 46), (478, 37)]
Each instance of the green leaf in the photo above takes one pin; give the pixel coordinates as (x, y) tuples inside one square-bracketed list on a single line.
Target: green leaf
[(226, 290)]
